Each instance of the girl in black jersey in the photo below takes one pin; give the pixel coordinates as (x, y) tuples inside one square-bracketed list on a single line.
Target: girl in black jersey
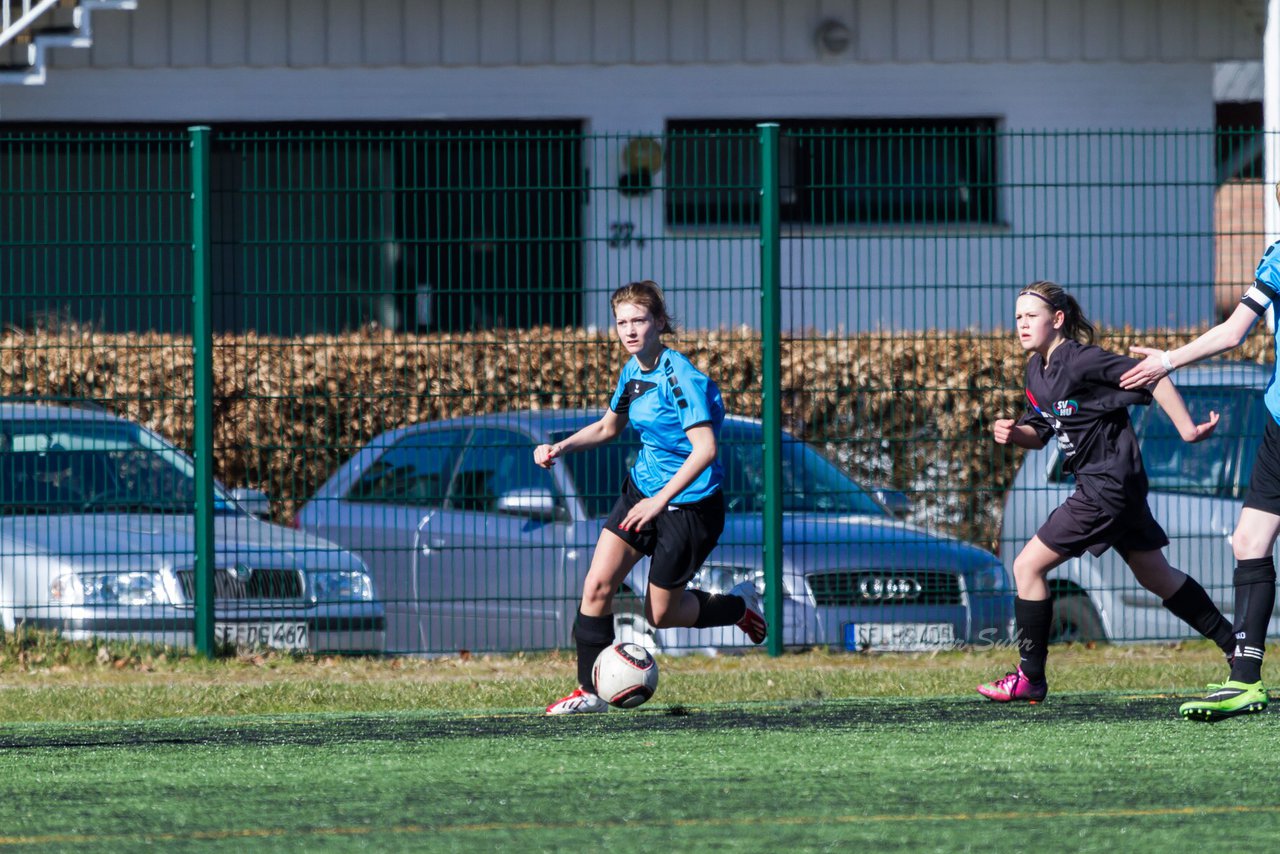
[(1074, 395)]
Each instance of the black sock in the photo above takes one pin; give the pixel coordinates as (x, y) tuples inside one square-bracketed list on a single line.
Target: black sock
[(1192, 605), (1034, 619), (1255, 580), (718, 609), (594, 635)]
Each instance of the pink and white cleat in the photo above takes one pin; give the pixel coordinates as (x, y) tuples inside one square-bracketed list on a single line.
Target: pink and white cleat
[(1015, 686), (578, 703)]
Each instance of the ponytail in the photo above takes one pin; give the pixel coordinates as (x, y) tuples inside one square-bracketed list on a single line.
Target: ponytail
[(1075, 325)]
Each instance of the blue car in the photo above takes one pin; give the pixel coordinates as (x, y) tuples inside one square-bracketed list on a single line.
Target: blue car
[(474, 547)]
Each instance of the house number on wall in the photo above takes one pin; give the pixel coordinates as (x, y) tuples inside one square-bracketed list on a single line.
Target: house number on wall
[(622, 234)]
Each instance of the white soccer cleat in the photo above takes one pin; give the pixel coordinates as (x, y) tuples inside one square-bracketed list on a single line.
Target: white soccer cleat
[(580, 702), (752, 622)]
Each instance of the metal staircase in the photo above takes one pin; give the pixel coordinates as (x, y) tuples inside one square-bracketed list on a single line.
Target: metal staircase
[(28, 28)]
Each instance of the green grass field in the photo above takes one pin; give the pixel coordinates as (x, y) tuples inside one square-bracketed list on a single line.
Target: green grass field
[(816, 752), (1082, 772)]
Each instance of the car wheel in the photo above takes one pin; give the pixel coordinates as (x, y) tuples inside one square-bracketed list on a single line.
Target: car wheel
[(1074, 619)]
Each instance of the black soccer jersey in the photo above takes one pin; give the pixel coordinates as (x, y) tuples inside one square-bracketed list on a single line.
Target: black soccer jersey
[(1077, 398)]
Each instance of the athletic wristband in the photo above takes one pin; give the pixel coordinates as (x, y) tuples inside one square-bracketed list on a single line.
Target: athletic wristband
[(1165, 362)]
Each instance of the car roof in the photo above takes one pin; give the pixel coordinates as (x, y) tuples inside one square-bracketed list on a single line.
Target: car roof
[(1222, 372), (537, 420), (14, 410)]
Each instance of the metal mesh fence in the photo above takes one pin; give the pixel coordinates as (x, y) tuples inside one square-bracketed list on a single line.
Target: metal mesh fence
[(399, 315)]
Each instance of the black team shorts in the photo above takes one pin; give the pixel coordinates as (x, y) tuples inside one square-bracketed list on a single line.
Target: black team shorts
[(1264, 484), (1081, 525), (678, 541)]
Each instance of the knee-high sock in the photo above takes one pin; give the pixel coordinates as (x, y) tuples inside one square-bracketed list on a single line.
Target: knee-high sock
[(1034, 618), (593, 635), (718, 609), (1192, 605), (1255, 581)]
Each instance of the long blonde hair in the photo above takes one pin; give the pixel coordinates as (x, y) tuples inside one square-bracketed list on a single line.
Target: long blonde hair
[(1075, 325)]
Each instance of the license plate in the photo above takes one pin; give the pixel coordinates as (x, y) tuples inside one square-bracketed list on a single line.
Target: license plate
[(899, 637), (290, 636)]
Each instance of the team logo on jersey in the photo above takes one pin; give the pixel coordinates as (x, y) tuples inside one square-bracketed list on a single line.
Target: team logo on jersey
[(635, 388), (1065, 407), (1064, 441)]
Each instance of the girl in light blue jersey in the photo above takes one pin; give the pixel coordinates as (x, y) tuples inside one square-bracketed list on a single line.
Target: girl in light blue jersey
[(672, 505), (1259, 522)]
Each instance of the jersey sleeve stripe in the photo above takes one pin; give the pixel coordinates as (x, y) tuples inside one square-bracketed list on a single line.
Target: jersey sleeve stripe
[(1267, 290)]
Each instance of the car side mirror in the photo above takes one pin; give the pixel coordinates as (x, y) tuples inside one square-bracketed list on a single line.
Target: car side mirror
[(531, 503), (897, 502), (252, 501)]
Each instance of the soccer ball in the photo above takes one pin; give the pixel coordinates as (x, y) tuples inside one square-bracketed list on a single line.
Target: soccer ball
[(626, 675)]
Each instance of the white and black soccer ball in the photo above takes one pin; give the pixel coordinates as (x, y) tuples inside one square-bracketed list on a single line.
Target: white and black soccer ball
[(626, 675)]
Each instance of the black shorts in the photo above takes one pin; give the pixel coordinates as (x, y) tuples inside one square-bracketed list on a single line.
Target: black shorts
[(1264, 484), (678, 541), (1082, 525)]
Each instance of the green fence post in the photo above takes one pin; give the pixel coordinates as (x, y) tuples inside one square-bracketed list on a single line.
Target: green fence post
[(771, 403), (202, 353)]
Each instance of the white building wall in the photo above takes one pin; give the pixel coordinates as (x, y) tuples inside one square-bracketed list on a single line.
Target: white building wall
[(416, 33), (624, 67)]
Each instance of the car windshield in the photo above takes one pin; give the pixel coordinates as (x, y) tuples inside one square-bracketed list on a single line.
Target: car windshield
[(810, 482), (1208, 467), (69, 466)]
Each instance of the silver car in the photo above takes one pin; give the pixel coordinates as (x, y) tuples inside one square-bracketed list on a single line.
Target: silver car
[(1196, 495), (475, 547), (97, 540)]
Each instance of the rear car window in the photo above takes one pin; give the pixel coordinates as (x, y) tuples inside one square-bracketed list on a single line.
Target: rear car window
[(415, 471)]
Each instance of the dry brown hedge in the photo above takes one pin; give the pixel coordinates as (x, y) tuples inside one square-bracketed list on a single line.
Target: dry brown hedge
[(911, 410)]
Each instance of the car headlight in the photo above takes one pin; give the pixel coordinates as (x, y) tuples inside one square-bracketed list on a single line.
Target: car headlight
[(340, 586), (109, 588), (991, 578), (718, 578)]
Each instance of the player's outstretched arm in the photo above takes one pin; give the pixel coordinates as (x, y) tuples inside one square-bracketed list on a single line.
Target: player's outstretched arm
[(596, 433), (1157, 365), (1170, 400)]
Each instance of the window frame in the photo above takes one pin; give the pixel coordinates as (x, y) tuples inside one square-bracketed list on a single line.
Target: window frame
[(801, 197)]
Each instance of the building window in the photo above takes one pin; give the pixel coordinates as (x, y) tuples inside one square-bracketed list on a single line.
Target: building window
[(836, 171)]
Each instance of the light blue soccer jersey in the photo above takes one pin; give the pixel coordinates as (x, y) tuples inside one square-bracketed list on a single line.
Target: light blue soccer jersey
[(1266, 286), (662, 404)]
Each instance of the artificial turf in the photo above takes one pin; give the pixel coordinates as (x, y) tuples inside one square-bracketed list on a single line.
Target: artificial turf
[(1079, 772)]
